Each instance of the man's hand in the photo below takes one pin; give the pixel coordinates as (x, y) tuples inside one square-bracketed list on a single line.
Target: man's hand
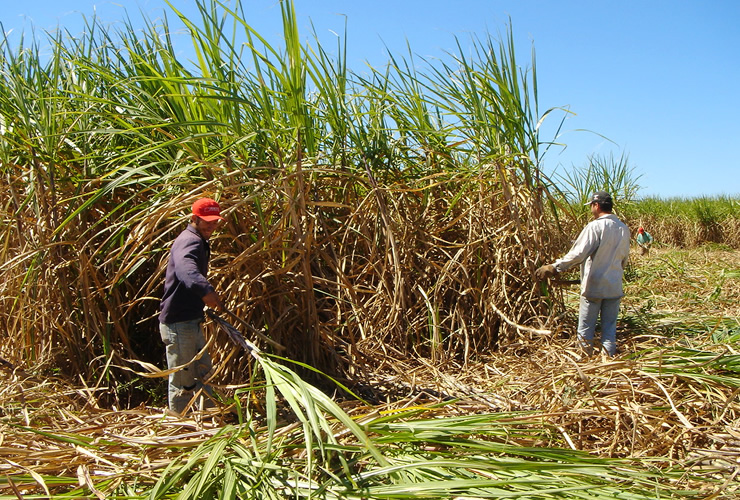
[(213, 301), (545, 272)]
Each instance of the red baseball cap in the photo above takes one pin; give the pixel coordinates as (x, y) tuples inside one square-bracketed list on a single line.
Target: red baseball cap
[(207, 209)]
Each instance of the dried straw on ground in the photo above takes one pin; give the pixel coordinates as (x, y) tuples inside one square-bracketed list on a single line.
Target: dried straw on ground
[(611, 408)]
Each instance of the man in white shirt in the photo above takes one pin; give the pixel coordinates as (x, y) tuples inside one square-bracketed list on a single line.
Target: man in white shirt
[(602, 250)]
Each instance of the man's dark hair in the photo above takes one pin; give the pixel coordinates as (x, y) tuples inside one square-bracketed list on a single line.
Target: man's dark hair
[(605, 206)]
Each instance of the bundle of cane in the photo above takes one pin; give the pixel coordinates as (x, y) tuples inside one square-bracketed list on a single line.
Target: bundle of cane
[(234, 335)]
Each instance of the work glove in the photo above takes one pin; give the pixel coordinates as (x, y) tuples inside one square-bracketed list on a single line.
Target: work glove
[(545, 272)]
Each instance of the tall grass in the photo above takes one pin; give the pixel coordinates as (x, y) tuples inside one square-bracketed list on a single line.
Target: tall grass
[(398, 209)]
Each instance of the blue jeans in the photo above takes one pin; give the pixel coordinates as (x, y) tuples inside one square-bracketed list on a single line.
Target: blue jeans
[(183, 341), (588, 312)]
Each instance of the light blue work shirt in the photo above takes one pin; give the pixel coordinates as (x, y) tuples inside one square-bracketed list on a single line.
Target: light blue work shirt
[(602, 249)]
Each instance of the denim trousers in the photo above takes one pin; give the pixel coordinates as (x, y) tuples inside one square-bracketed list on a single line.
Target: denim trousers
[(183, 341), (588, 312)]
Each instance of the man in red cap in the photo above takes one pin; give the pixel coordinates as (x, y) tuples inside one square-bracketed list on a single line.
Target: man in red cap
[(644, 240), (186, 293)]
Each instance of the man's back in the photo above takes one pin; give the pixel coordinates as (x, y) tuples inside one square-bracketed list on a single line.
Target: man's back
[(603, 270), (185, 280)]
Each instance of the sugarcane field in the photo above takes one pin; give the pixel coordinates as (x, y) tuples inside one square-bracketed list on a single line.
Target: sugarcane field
[(383, 327)]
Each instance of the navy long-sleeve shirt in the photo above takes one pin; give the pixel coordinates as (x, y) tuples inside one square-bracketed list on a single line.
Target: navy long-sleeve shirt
[(185, 282)]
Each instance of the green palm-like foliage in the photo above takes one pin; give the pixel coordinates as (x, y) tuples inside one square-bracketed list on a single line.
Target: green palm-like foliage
[(603, 173)]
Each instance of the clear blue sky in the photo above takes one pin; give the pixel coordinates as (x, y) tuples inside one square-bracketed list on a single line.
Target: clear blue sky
[(660, 78)]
